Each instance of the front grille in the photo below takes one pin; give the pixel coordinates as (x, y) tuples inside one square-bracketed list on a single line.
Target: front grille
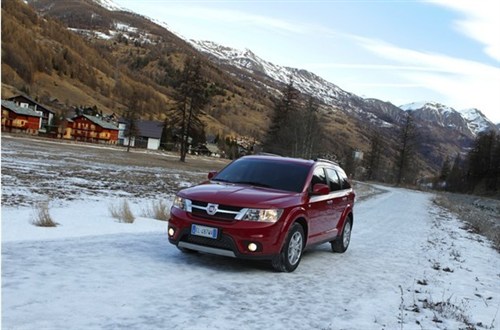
[(225, 242), (224, 212)]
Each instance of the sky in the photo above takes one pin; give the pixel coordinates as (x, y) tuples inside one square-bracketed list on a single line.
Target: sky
[(445, 51)]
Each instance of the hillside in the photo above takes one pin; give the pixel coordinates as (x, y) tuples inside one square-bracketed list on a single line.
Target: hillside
[(111, 60), (71, 53)]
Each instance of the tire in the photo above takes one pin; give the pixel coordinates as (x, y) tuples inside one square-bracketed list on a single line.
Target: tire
[(341, 243), (289, 257)]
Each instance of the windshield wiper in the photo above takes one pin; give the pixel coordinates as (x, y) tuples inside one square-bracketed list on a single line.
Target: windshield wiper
[(221, 180), (252, 183)]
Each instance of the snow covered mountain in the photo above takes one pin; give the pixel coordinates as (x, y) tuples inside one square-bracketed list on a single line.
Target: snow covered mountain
[(476, 120), (465, 121), (305, 81), (469, 122)]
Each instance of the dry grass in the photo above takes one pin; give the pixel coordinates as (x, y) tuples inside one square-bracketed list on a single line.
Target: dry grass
[(122, 212), (42, 216), (480, 215), (158, 210)]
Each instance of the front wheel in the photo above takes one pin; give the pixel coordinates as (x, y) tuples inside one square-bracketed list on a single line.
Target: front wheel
[(290, 255), (341, 243)]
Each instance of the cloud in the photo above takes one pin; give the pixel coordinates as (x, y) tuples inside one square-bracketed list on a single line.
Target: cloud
[(381, 67), (481, 22), (462, 83), (235, 16)]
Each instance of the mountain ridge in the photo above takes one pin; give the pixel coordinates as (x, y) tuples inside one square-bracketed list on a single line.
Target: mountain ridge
[(310, 83)]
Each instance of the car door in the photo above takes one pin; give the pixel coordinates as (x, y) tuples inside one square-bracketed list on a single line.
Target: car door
[(318, 207), (348, 198), (338, 196)]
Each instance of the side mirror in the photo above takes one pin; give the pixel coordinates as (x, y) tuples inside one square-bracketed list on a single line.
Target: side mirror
[(211, 174), (320, 189)]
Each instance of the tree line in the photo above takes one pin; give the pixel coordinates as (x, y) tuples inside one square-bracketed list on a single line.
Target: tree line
[(476, 172), (295, 128)]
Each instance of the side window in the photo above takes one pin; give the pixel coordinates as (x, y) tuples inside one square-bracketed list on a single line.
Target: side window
[(344, 180), (318, 177), (333, 179)]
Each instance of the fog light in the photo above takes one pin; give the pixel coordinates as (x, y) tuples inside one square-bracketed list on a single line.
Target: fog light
[(171, 232), (252, 247)]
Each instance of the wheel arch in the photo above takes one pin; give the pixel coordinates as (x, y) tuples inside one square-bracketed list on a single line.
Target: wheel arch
[(303, 222), (348, 215)]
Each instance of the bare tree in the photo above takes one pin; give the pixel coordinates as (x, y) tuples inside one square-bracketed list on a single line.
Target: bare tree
[(191, 97), (131, 117), (310, 130)]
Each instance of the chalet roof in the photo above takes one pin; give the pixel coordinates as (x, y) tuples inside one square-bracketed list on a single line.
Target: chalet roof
[(29, 99), (150, 128), (20, 110), (213, 148), (100, 122)]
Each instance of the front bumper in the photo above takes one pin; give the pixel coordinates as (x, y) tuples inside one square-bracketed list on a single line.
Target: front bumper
[(233, 240)]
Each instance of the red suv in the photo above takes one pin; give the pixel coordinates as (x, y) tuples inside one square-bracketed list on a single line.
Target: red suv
[(265, 207)]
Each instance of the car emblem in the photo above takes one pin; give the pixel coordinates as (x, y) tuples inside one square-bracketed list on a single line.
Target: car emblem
[(212, 208)]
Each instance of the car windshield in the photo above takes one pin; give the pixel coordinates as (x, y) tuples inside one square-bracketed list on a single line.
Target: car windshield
[(265, 173)]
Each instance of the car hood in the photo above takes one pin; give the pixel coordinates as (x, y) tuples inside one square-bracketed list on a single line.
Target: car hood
[(241, 195)]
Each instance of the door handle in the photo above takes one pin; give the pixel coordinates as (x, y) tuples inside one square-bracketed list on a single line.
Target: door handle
[(344, 199), (329, 202)]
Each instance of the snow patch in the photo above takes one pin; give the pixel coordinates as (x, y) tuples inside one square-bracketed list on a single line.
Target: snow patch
[(109, 5)]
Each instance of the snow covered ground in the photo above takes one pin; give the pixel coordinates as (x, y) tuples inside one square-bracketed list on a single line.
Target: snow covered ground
[(409, 266)]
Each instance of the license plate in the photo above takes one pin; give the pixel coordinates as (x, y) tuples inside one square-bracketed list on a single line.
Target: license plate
[(204, 231)]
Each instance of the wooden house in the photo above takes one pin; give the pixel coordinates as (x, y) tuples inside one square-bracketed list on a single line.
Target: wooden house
[(47, 115), (19, 119), (93, 129)]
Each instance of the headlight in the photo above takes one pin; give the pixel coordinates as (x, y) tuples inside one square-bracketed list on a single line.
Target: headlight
[(182, 203), (263, 215)]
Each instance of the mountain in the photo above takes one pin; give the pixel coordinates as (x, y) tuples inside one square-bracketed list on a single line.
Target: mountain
[(305, 81), (477, 121), (469, 121), (442, 130), (380, 113), (94, 53)]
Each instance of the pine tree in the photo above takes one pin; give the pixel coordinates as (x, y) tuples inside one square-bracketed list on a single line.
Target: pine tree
[(455, 181), (374, 157), (495, 170), (406, 150), (280, 135), (349, 164), (440, 180), (481, 166), (479, 158)]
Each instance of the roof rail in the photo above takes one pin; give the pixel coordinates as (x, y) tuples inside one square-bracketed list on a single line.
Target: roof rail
[(266, 154), (326, 160)]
